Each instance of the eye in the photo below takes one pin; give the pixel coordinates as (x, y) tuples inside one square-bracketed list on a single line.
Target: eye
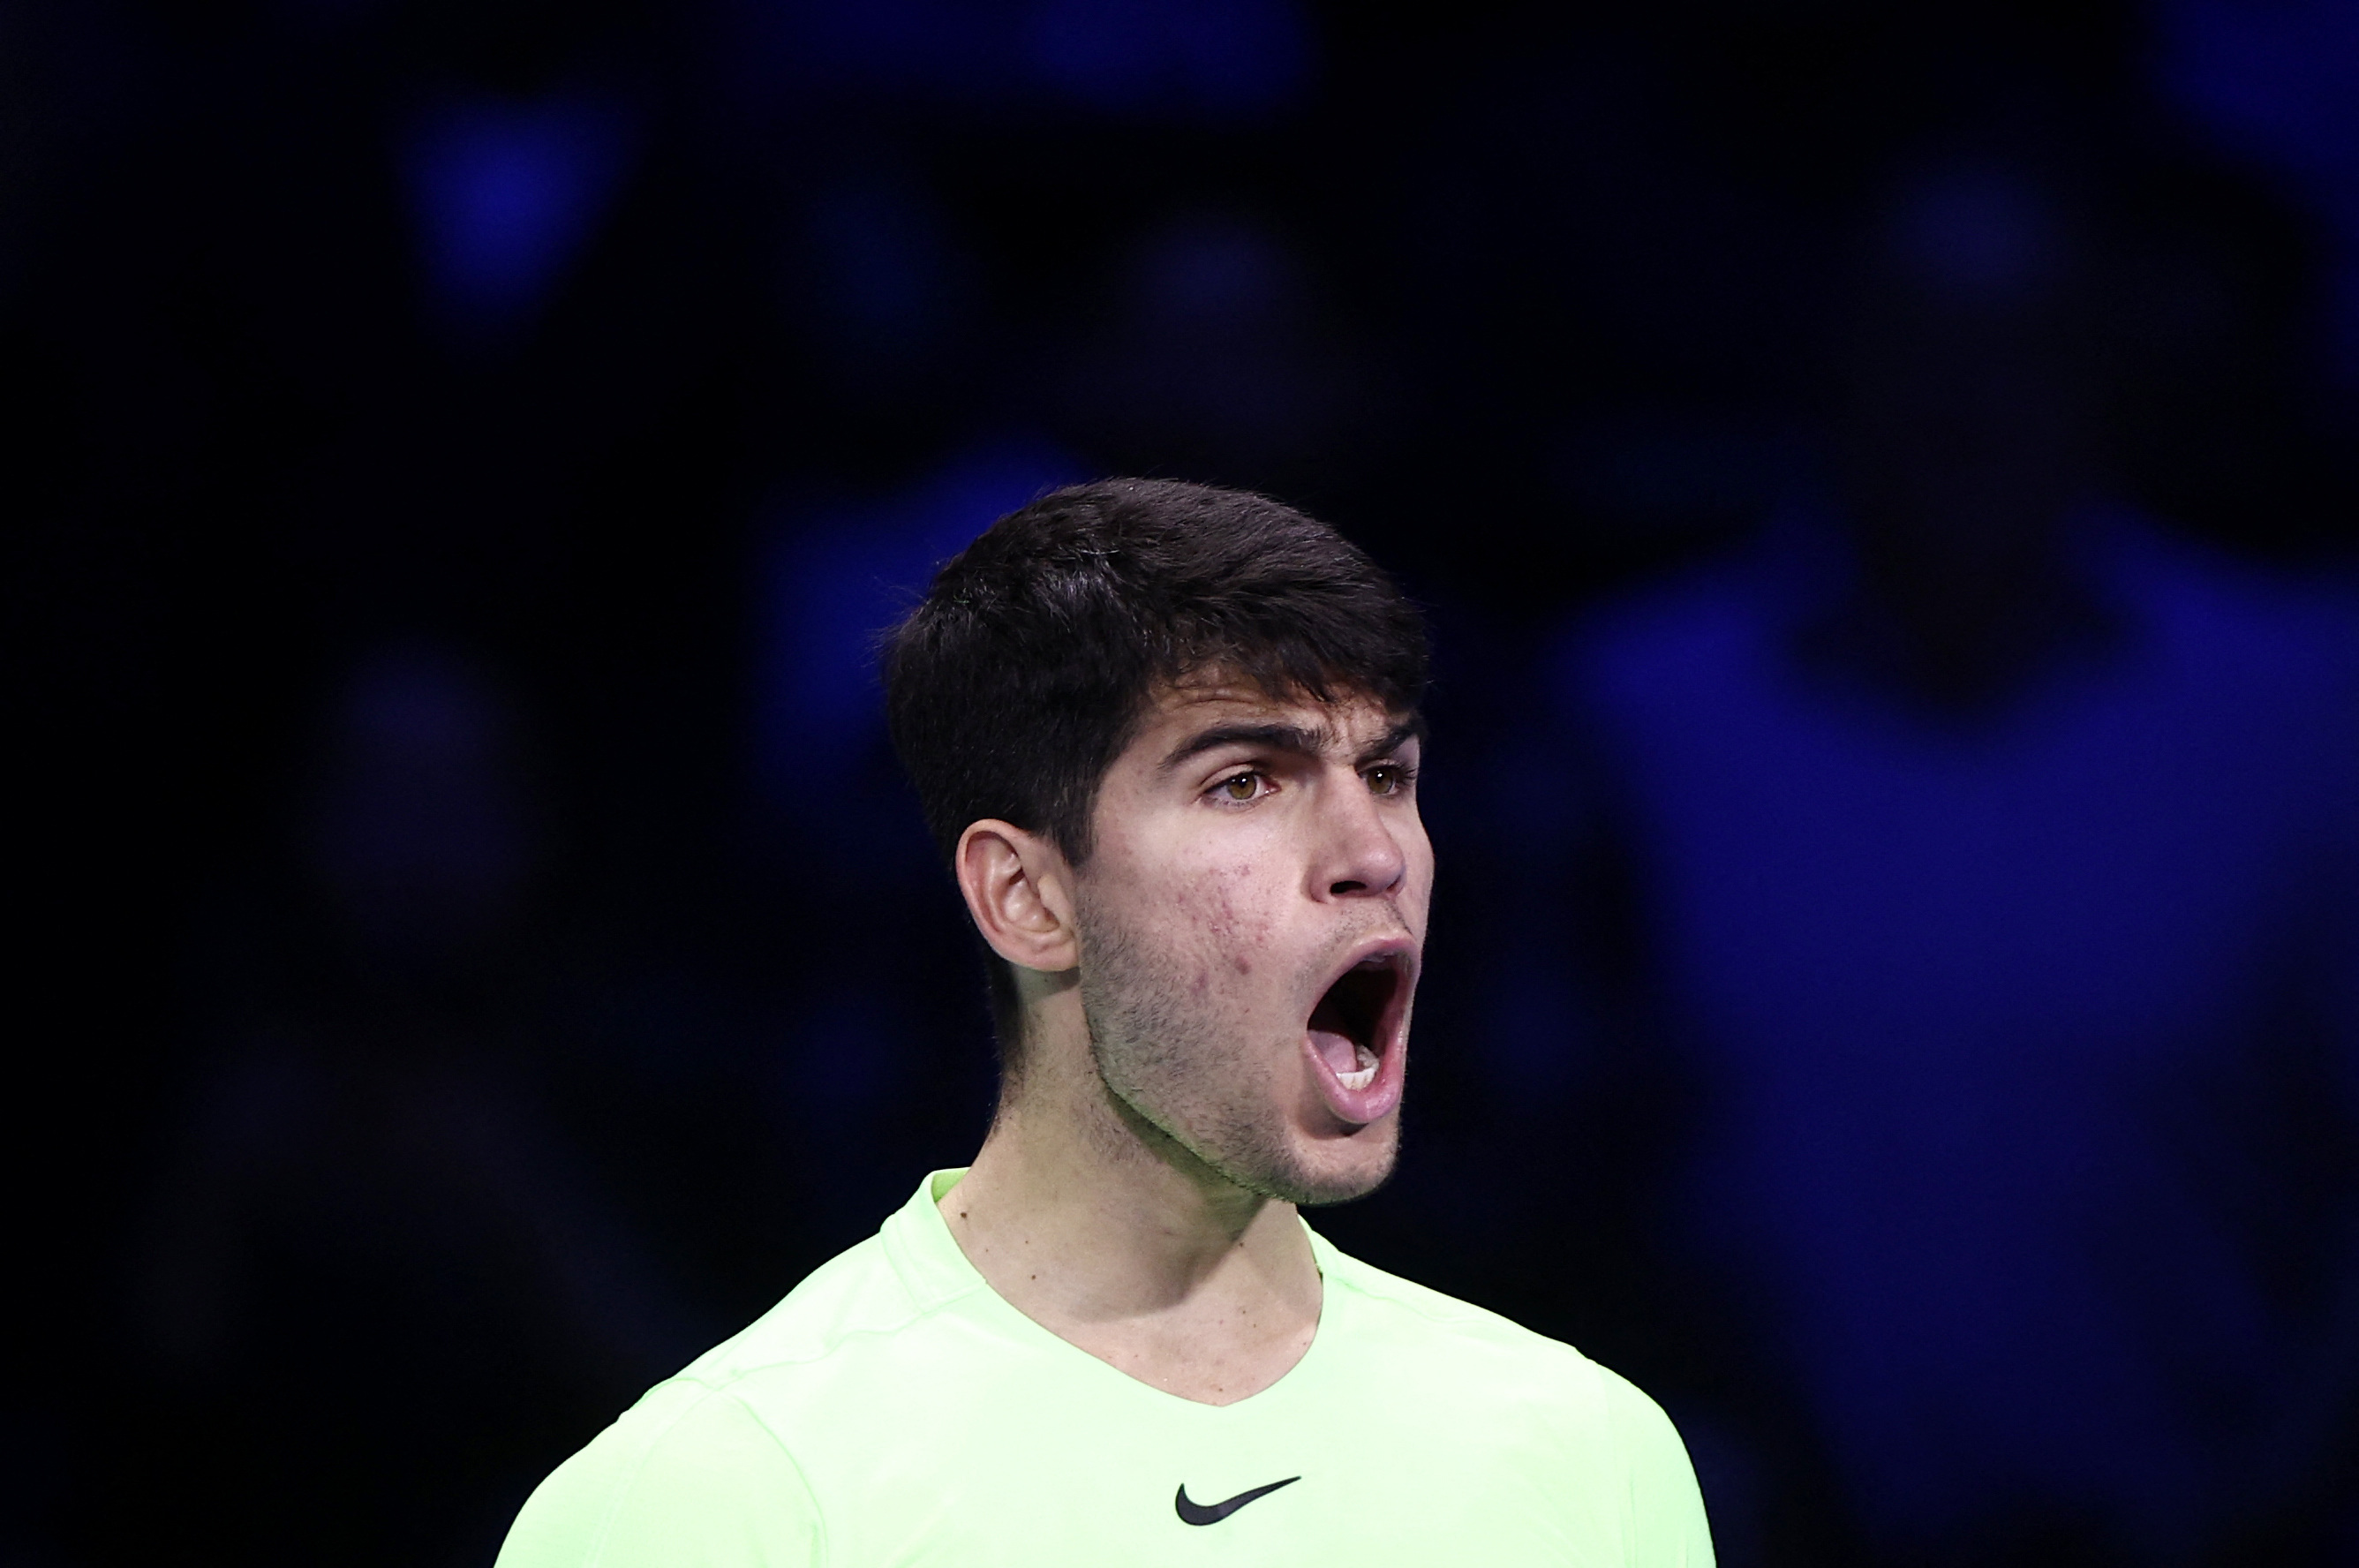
[(1241, 786), (1390, 779)]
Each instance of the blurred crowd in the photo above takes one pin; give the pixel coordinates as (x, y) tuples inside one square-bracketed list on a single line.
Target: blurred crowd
[(1886, 482)]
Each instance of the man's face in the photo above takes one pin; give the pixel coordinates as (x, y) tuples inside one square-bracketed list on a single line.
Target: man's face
[(1251, 919)]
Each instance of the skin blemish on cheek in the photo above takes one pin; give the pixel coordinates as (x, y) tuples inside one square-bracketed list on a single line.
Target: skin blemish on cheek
[(1210, 908)]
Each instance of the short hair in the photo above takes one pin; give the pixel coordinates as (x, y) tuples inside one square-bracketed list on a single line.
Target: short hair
[(1039, 650)]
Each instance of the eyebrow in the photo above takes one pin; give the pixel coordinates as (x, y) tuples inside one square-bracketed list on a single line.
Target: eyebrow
[(1266, 738), (1285, 737), (1392, 739)]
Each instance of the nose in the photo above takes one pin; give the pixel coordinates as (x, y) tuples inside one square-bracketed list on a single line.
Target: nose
[(1360, 850)]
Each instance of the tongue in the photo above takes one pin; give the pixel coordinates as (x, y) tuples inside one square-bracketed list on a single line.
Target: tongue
[(1336, 1049)]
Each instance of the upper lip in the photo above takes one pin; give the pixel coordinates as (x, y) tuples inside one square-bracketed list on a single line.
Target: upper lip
[(1397, 946)]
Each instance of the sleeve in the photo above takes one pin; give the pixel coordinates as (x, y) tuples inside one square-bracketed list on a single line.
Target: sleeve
[(1666, 1526), (688, 1477)]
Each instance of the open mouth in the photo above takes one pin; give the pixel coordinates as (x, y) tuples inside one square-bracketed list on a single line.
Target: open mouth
[(1353, 1022)]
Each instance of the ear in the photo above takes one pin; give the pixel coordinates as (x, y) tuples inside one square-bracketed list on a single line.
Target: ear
[(1019, 890)]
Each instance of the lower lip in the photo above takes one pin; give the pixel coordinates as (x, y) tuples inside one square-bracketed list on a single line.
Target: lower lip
[(1358, 1107)]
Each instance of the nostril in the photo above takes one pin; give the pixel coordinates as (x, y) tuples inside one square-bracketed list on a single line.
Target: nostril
[(1349, 887)]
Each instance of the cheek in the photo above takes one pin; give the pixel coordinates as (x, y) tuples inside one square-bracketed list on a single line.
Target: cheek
[(1223, 917)]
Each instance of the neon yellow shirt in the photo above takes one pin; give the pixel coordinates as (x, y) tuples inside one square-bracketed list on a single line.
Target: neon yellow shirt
[(893, 1410)]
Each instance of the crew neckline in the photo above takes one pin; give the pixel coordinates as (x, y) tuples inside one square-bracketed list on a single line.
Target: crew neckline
[(917, 1238)]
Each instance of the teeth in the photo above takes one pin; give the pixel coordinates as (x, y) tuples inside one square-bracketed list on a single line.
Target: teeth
[(1363, 1075)]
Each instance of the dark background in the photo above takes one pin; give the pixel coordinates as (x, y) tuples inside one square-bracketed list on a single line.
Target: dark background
[(475, 951)]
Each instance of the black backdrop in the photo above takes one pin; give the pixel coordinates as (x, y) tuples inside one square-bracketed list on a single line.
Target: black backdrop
[(393, 375)]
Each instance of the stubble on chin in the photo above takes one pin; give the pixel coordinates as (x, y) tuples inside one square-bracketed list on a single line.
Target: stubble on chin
[(1184, 1083)]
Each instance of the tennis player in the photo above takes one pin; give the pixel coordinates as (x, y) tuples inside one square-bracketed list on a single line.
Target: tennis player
[(1167, 739)]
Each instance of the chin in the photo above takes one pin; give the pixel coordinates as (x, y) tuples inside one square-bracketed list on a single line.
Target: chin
[(1330, 1170)]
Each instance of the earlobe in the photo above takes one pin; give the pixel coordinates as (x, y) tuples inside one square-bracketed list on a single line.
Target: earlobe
[(1015, 888)]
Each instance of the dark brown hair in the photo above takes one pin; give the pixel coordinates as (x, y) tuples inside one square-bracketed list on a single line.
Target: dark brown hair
[(1039, 649)]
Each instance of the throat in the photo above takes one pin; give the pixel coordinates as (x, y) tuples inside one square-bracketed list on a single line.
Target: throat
[(1127, 1278), (1212, 1362)]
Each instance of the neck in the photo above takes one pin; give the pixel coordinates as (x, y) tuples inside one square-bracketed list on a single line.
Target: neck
[(1097, 1226)]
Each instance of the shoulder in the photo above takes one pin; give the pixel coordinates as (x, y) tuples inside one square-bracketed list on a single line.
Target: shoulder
[(2236, 606), (704, 1468), (2260, 667), (854, 1296), (1422, 1325), (1689, 623), (1542, 1406), (1422, 1310), (1698, 636), (672, 1482)]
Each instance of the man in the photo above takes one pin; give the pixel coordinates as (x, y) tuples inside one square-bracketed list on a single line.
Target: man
[(1990, 872), (1168, 737)]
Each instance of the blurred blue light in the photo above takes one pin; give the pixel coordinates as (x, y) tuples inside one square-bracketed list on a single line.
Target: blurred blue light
[(837, 576), (1211, 60), (1968, 996), (505, 193), (1220, 58)]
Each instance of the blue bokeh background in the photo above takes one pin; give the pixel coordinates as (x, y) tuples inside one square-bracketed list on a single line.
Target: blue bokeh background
[(1883, 478)]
